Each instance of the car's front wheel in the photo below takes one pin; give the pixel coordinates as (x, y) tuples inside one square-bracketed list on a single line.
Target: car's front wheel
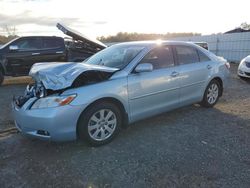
[(100, 123), (211, 94)]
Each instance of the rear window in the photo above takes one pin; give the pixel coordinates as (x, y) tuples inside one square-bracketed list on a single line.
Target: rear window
[(186, 55), (202, 44), (203, 57), (53, 43)]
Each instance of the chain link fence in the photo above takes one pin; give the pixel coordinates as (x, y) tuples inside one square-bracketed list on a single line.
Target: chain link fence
[(232, 47)]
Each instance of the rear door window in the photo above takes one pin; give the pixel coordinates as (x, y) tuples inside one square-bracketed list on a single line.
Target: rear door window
[(186, 55), (160, 57), (203, 57), (50, 43)]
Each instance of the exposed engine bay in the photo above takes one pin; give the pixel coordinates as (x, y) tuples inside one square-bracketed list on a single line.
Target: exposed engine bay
[(54, 79), (32, 90)]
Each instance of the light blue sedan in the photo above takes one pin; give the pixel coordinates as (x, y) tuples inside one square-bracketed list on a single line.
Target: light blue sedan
[(119, 85)]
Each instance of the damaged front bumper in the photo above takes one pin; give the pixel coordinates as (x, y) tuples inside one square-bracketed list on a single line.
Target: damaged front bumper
[(44, 112), (55, 124)]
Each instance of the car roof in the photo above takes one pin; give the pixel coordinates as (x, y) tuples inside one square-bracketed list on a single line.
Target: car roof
[(39, 36), (155, 42)]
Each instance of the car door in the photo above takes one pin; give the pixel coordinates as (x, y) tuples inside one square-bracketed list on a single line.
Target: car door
[(25, 53), (153, 92), (193, 73), (53, 49)]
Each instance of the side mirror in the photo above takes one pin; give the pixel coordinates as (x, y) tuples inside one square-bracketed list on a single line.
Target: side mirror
[(13, 47), (144, 67)]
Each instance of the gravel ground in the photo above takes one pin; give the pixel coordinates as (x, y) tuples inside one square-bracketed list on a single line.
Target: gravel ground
[(6, 95), (188, 147)]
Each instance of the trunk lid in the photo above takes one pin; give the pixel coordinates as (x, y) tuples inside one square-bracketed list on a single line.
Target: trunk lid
[(80, 37)]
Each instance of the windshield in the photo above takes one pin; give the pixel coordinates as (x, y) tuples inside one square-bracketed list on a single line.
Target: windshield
[(6, 44), (115, 56)]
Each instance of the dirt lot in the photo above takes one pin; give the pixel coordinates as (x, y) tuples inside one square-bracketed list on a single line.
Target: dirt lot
[(188, 147)]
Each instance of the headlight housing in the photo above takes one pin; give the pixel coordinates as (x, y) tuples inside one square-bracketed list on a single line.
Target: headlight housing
[(244, 63), (247, 64), (53, 101)]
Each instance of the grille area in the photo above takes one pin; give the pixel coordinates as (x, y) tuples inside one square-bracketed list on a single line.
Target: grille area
[(42, 132), (247, 73)]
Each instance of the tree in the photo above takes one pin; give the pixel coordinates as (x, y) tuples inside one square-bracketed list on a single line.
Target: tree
[(245, 26), (11, 34), (11, 31)]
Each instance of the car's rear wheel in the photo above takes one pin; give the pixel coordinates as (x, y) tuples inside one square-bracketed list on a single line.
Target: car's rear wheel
[(100, 123), (211, 94), (1, 77)]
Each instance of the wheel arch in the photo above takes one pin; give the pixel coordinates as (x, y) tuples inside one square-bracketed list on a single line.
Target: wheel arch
[(217, 78), (112, 100)]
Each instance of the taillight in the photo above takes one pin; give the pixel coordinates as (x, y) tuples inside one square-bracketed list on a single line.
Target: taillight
[(227, 65)]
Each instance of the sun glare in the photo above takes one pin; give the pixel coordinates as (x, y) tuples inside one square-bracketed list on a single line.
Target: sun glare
[(159, 41)]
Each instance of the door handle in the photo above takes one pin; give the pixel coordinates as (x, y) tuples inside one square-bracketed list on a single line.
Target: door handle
[(35, 54), (174, 74), (209, 66)]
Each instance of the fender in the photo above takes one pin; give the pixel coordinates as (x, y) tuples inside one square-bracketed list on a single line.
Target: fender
[(216, 76)]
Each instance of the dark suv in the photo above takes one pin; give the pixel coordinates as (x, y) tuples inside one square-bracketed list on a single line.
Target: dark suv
[(17, 56)]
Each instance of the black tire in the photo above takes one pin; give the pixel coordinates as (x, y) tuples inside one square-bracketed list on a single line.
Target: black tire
[(84, 120), (1, 77), (205, 101)]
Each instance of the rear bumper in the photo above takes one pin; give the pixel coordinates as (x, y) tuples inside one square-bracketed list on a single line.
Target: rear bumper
[(55, 124), (226, 79)]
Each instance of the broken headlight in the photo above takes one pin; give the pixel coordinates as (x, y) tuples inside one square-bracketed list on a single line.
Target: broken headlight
[(40, 92), (53, 101), (35, 90)]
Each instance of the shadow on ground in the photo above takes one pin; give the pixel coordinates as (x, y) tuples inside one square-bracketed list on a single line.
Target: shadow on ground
[(208, 150)]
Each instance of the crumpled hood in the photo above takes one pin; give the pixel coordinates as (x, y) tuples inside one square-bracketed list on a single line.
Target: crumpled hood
[(59, 75)]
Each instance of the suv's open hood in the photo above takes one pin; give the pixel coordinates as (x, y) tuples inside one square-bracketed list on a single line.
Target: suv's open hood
[(80, 37), (56, 76)]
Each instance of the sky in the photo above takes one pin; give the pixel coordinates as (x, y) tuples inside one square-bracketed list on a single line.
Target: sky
[(107, 17)]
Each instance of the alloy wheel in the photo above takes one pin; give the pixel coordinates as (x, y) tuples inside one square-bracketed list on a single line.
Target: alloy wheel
[(212, 93), (102, 124)]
